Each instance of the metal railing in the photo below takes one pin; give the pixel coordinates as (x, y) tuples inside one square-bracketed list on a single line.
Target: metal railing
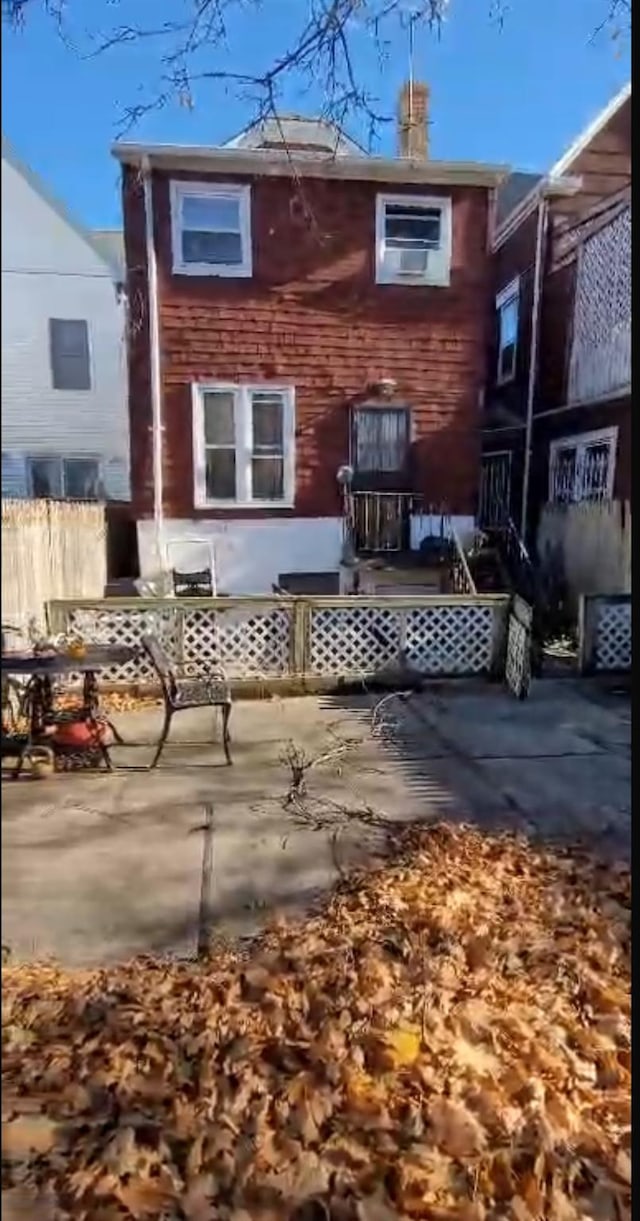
[(381, 520)]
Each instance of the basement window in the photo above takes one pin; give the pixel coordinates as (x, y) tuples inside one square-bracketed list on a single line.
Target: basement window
[(413, 240), (211, 229), (508, 308), (55, 478), (243, 439)]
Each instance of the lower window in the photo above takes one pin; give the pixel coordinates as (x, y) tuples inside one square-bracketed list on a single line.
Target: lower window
[(582, 468), (64, 478), (243, 442)]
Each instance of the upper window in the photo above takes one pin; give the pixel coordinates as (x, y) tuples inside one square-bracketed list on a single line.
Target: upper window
[(243, 439), (69, 349), (507, 306), (69, 478), (583, 467), (211, 229), (413, 240)]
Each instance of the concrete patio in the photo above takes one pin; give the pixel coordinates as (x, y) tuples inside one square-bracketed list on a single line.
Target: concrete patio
[(97, 867)]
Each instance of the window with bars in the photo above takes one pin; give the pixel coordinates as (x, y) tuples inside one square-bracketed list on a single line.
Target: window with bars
[(211, 229), (582, 468), (69, 352), (508, 309), (413, 239), (244, 440), (380, 439)]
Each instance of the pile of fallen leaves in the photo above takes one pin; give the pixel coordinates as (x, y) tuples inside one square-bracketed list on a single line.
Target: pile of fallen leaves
[(449, 1039)]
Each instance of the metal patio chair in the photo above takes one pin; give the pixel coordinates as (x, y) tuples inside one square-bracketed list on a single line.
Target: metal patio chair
[(182, 691)]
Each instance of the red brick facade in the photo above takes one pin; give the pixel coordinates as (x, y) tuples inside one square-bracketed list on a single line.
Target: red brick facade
[(312, 316)]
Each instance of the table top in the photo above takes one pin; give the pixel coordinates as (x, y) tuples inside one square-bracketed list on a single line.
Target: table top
[(97, 657)]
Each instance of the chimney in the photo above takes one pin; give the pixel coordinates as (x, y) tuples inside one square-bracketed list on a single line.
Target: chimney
[(413, 112)]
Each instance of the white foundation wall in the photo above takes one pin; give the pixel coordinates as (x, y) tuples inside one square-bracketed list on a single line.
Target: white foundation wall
[(248, 555)]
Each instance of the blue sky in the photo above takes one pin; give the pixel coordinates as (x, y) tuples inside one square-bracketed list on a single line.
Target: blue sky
[(517, 95)]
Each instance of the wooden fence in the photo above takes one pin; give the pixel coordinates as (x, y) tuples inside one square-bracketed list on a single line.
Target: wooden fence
[(50, 549)]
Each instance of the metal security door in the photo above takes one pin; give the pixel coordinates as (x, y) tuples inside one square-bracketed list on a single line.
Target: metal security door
[(495, 489)]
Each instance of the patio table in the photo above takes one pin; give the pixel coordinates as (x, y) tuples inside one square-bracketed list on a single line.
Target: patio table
[(41, 669)]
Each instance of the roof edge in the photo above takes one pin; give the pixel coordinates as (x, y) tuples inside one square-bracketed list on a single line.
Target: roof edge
[(590, 131), (312, 165), (37, 184), (546, 188)]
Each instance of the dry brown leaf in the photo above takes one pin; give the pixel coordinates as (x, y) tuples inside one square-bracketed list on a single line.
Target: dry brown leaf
[(455, 1129)]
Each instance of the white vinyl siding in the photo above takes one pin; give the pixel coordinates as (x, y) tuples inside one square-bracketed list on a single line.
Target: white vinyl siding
[(243, 446), (211, 229), (49, 271), (413, 240)]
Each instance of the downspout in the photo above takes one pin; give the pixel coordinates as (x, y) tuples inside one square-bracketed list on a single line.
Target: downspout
[(154, 363), (538, 272)]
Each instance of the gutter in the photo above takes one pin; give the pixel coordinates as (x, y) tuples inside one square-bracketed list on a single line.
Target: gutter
[(157, 428), (275, 163), (546, 188), (543, 208)]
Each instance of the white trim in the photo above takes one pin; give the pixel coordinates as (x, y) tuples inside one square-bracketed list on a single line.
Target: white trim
[(511, 292), (591, 131), (581, 441), (242, 427), (90, 360), (441, 276), (28, 457), (546, 188), (180, 190), (285, 164)]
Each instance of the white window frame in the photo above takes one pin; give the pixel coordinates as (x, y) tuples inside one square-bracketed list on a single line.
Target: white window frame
[(511, 292), (440, 277), (243, 447), (92, 380), (212, 190), (581, 441)]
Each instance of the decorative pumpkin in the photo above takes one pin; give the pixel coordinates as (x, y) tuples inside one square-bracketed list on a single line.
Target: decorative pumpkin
[(82, 735)]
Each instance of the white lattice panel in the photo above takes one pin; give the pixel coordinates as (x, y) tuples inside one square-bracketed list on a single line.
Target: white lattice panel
[(450, 639), (126, 626), (239, 643), (601, 350), (354, 639), (518, 661), (613, 636)]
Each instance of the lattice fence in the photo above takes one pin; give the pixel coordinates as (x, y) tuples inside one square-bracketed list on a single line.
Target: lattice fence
[(601, 350), (257, 638), (517, 670), (605, 634)]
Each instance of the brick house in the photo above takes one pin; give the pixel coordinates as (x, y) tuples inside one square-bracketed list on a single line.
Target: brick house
[(558, 408), (299, 309)]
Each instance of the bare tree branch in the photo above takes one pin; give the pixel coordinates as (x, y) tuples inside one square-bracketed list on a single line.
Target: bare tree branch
[(194, 47)]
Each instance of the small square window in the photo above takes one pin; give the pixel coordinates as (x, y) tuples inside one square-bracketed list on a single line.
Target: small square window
[(413, 240), (211, 228), (69, 349)]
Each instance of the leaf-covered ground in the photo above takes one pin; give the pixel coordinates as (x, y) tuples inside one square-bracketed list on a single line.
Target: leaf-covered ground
[(449, 1039)]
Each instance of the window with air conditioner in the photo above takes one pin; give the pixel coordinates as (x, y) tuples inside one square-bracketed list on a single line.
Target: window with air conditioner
[(413, 240)]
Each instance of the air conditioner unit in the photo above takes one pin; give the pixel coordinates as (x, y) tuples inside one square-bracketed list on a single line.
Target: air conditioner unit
[(407, 262)]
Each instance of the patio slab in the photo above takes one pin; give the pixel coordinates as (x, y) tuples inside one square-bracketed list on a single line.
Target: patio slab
[(99, 867)]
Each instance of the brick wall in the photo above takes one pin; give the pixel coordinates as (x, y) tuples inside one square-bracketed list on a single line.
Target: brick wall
[(312, 315)]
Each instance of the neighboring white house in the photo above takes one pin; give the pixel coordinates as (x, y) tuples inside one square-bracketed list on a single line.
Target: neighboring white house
[(65, 429)]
